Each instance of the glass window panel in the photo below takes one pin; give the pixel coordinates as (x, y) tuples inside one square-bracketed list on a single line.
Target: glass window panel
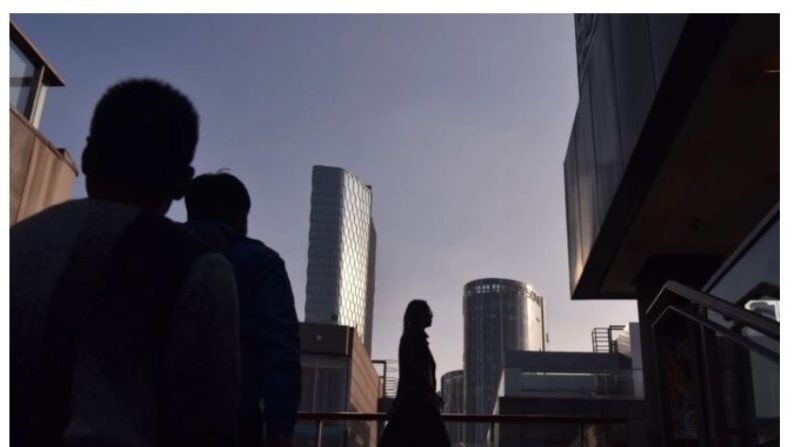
[(759, 264), (22, 72)]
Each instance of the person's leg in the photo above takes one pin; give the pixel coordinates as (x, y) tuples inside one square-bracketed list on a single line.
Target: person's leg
[(250, 431), (432, 431)]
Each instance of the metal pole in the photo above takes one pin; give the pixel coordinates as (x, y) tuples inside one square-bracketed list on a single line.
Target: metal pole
[(319, 433)]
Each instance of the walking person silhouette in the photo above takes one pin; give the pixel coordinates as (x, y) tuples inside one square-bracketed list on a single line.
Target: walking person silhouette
[(415, 419), (218, 206)]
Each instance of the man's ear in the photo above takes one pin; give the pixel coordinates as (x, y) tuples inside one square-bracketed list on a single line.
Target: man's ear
[(182, 182), (87, 160)]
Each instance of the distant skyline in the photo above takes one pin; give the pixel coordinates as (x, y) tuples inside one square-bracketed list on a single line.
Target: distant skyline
[(459, 122)]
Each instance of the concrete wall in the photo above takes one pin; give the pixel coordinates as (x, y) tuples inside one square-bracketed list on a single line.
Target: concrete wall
[(325, 339), (567, 374), (628, 343), (364, 395), (562, 435), (338, 355), (551, 361), (41, 175)]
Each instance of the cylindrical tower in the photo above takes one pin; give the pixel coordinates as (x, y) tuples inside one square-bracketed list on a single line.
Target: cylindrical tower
[(500, 315)]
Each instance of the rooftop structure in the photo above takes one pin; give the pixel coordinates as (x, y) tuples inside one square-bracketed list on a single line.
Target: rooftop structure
[(41, 174)]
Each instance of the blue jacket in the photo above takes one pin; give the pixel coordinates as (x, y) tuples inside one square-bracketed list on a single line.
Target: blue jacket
[(269, 343)]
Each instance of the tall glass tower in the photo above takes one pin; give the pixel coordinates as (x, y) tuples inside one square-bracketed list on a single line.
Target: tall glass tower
[(500, 315), (340, 275)]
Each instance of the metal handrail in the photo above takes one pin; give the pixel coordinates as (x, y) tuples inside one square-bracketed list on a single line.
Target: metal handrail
[(732, 335), (695, 306), (744, 317), (483, 418), (491, 419)]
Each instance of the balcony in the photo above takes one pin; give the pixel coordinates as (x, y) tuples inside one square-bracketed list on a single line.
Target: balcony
[(41, 174)]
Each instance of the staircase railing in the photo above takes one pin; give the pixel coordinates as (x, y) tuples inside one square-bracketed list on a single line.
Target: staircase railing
[(708, 318)]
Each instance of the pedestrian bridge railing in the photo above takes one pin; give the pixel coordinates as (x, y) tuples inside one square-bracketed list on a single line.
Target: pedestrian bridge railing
[(320, 419)]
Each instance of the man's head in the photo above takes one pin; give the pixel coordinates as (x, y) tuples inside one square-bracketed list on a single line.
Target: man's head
[(141, 143), (219, 197)]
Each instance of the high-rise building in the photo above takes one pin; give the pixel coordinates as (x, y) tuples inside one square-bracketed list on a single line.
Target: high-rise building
[(453, 395), (500, 315), (340, 277)]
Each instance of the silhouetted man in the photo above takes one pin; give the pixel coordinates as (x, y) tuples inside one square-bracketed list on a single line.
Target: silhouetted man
[(218, 206), (123, 328)]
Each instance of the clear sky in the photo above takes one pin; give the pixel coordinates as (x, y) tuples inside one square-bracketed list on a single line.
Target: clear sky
[(459, 122)]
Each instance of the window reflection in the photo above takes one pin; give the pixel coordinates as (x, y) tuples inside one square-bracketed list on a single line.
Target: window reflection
[(22, 71)]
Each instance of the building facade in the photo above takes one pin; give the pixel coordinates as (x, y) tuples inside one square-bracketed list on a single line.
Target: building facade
[(568, 384), (41, 174), (337, 375), (672, 199), (500, 315), (340, 284), (453, 395)]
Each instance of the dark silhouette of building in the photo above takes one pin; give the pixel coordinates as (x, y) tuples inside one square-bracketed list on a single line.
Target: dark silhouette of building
[(672, 191)]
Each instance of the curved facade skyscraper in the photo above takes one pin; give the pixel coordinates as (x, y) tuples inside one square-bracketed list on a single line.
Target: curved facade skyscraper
[(340, 274), (500, 315)]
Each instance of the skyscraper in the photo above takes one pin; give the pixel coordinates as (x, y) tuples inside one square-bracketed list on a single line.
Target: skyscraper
[(340, 277), (500, 315)]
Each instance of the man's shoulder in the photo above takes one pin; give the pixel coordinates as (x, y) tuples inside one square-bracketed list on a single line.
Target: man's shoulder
[(172, 232), (64, 214), (164, 242), (59, 225), (255, 250)]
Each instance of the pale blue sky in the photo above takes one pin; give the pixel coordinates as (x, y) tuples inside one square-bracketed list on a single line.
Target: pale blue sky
[(459, 122)]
